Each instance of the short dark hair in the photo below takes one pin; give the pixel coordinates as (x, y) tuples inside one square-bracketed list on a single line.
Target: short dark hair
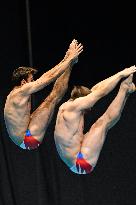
[(22, 73), (79, 91)]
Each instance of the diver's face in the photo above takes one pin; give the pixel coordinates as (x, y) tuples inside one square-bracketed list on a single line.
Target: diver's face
[(30, 78)]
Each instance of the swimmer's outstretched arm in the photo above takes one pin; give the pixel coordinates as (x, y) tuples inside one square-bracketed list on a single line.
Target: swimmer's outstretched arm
[(107, 86), (54, 73), (61, 85), (112, 79)]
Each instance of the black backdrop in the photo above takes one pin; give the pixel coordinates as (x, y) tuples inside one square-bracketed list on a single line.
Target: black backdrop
[(107, 32)]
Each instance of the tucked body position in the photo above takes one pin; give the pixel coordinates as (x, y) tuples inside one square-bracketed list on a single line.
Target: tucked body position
[(80, 152), (27, 129)]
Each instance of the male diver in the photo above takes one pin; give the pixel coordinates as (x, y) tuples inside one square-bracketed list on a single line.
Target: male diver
[(25, 129), (80, 152)]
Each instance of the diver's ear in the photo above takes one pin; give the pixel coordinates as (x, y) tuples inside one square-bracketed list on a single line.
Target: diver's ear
[(23, 82)]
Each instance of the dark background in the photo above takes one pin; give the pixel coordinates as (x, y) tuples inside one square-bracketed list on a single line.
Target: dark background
[(107, 32)]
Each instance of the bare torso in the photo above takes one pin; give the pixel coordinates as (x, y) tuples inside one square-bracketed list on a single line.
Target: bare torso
[(17, 115), (68, 133)]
